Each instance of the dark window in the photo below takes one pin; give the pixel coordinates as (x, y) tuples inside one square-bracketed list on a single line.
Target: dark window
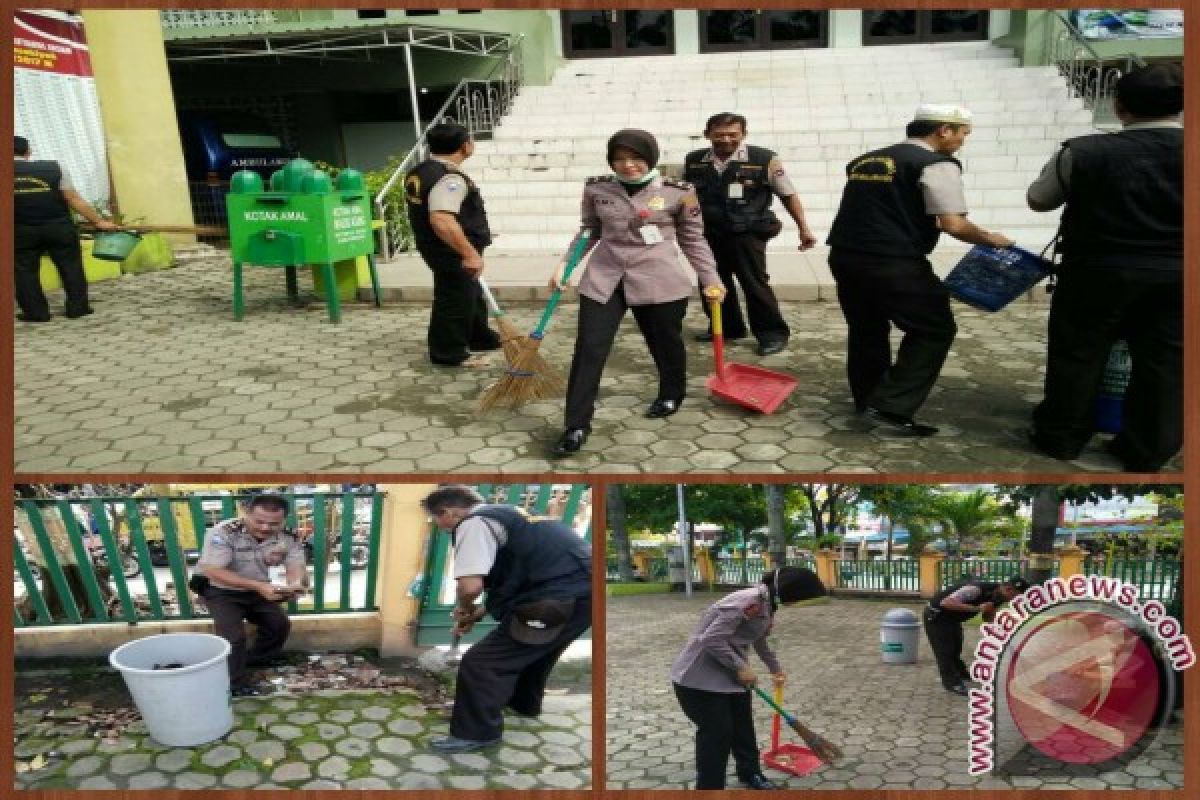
[(372, 13), (471, 11), (428, 13)]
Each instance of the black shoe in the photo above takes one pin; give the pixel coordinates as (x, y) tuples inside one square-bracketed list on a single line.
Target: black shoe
[(708, 337), (21, 315), (772, 346), (246, 691), (758, 781), (663, 408), (1035, 441), (78, 314), (570, 442), (958, 688), (485, 345), (900, 423)]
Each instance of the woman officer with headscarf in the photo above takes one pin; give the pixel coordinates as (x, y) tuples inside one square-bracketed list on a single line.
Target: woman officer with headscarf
[(712, 676), (638, 222)]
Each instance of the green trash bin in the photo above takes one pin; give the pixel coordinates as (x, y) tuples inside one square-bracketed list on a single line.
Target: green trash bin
[(303, 218), (115, 246)]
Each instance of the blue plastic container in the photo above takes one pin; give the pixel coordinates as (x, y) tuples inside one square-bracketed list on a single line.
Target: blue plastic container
[(1110, 402), (990, 278)]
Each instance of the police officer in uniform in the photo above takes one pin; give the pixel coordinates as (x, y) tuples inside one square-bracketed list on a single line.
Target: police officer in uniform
[(1121, 275), (450, 228), (736, 183), (897, 201), (945, 615), (234, 580), (42, 205), (639, 223), (538, 580)]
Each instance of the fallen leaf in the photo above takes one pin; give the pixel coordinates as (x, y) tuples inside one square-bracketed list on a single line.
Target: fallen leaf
[(268, 762), (38, 762), (21, 766)]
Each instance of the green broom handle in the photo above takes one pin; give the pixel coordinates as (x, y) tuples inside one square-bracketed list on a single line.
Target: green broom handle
[(576, 255), (778, 709), (493, 307)]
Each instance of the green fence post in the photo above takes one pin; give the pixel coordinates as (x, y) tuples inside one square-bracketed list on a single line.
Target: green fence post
[(31, 588), (83, 559), (516, 494), (373, 550), (542, 502), (574, 500), (166, 520), (199, 523), (347, 543), (116, 562), (319, 551), (137, 535)]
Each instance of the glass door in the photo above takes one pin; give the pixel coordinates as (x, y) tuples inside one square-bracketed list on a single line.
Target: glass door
[(730, 31), (604, 34), (911, 27)]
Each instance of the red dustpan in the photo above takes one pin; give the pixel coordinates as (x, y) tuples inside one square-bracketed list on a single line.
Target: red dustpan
[(795, 759), (753, 387)]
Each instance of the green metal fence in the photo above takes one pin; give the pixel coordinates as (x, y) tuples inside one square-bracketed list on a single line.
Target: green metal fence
[(437, 595), (897, 575), (953, 570), (148, 565), (1157, 579)]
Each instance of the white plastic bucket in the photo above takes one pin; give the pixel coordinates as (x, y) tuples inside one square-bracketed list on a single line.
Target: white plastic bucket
[(182, 707)]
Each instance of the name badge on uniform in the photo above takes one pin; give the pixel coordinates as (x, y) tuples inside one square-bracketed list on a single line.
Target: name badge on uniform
[(650, 234), (735, 191), (657, 203)]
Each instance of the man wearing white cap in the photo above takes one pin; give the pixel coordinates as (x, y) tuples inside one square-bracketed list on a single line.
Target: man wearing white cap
[(896, 203)]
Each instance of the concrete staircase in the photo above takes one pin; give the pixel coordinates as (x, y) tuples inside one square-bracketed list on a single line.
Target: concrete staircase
[(816, 108)]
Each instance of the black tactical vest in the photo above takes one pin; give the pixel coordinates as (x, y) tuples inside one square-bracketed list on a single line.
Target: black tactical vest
[(38, 198), (471, 216), (1125, 201), (882, 209), (942, 615), (750, 213), (541, 559)]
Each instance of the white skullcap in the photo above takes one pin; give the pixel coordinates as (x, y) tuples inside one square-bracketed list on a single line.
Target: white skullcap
[(933, 112)]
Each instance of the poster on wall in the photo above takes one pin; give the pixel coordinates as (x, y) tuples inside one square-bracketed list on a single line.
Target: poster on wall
[(1128, 23), (55, 100)]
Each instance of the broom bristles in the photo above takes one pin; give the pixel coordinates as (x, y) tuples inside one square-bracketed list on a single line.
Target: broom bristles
[(529, 378)]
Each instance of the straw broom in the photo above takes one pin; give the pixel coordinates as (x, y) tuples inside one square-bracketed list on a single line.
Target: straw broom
[(510, 335), (529, 377), (824, 749)]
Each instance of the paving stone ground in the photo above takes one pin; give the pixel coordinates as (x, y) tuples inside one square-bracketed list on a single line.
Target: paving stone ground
[(324, 740), (899, 729), (161, 379)]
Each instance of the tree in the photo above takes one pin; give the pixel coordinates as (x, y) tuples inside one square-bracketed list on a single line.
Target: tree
[(967, 515), (897, 503), (828, 505), (618, 533), (776, 524)]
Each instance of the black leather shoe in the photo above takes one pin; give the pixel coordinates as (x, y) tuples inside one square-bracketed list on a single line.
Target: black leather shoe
[(453, 744), (246, 691), (760, 782), (663, 408), (772, 347), (570, 442), (708, 337), (73, 314), (900, 423), (21, 315)]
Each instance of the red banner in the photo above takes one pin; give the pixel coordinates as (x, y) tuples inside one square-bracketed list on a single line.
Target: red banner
[(50, 44)]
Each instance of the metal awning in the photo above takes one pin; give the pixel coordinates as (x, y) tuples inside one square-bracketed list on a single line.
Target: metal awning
[(341, 44)]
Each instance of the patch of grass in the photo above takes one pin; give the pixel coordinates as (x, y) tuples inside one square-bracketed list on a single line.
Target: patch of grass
[(627, 589)]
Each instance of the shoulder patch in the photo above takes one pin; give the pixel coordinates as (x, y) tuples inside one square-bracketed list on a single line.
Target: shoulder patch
[(601, 179)]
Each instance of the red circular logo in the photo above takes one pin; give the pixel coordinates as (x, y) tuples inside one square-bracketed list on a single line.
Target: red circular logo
[(1083, 687)]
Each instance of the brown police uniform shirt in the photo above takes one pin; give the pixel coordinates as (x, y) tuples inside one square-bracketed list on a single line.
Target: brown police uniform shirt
[(720, 645), (228, 545), (649, 272)]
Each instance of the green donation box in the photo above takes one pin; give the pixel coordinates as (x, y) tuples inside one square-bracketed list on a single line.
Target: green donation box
[(301, 218)]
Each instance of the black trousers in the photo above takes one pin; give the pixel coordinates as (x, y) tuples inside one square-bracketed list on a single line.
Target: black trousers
[(724, 724), (661, 325), (458, 321), (60, 241), (946, 641), (499, 672), (875, 293), (744, 257), (230, 609), (1090, 311)]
